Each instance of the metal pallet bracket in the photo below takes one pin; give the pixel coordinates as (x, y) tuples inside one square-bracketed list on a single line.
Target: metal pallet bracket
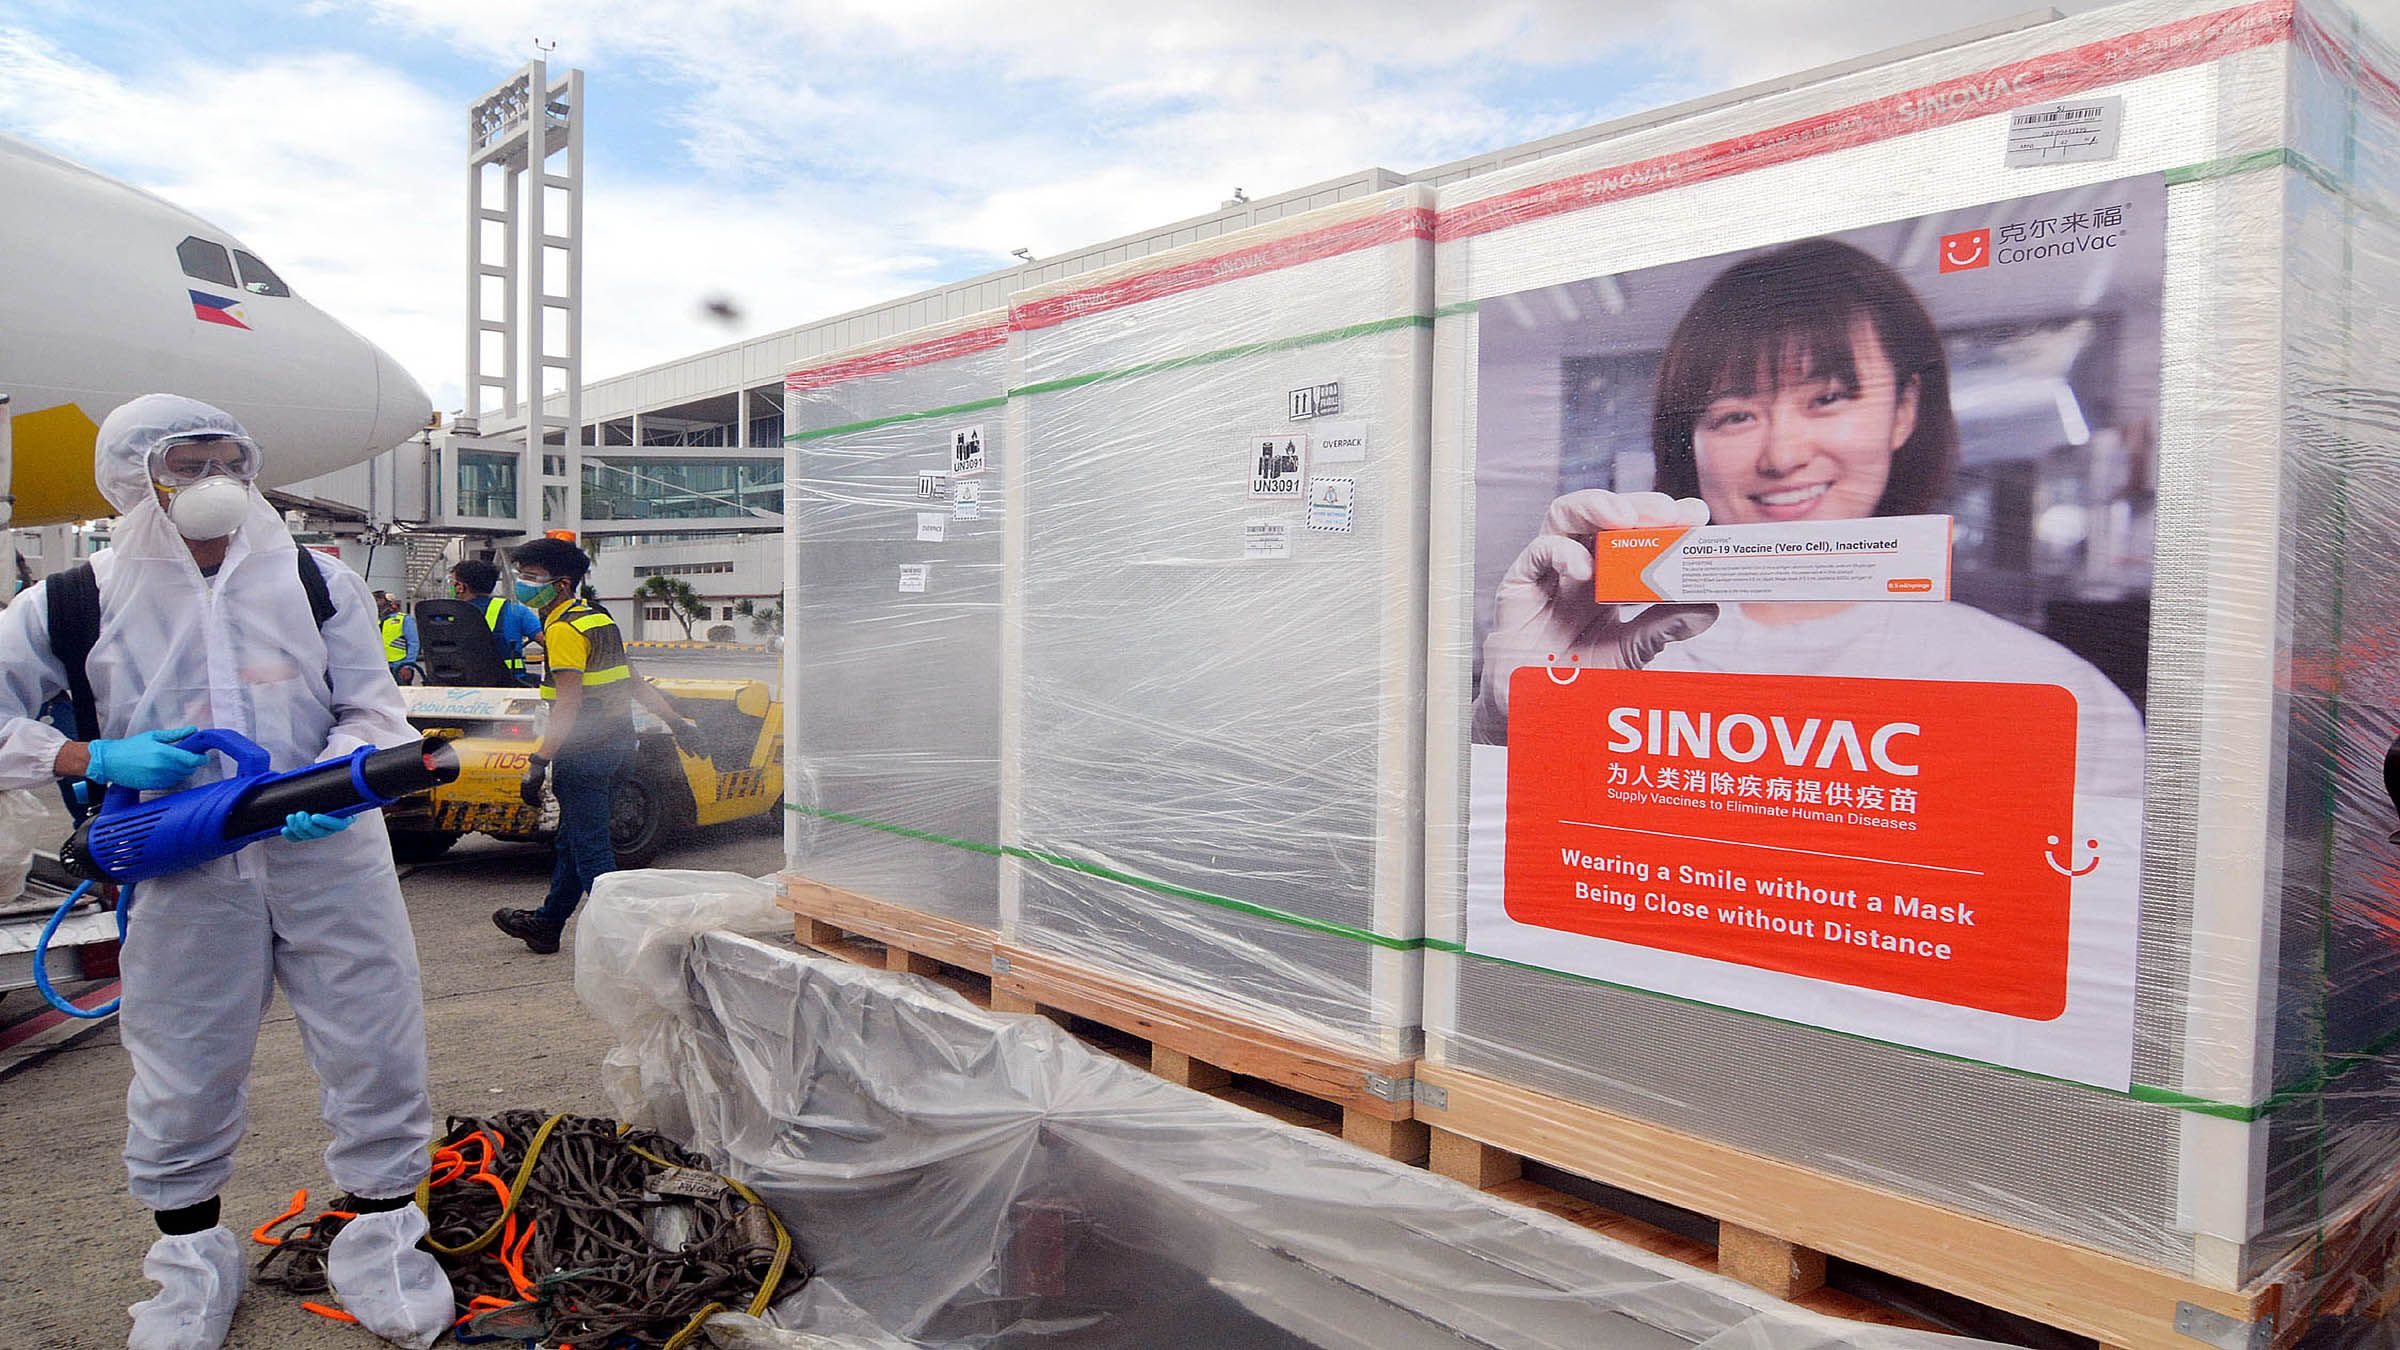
[(2226, 1333)]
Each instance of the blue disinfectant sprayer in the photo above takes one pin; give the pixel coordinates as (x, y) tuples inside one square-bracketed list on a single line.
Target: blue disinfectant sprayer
[(129, 840)]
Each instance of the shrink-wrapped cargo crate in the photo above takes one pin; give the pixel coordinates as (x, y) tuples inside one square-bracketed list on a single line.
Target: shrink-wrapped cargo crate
[(892, 621), (1214, 711), (2041, 871)]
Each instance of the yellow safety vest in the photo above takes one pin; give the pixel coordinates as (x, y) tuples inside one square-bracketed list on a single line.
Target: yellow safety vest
[(512, 657), (606, 665), (395, 639)]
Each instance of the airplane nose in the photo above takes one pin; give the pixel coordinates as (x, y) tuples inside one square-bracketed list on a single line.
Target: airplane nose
[(401, 407)]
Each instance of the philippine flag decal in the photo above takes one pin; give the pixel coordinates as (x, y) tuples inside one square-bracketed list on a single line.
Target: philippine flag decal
[(217, 309)]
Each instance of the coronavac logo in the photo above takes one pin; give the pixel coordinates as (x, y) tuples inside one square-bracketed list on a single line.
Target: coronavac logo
[(1966, 251)]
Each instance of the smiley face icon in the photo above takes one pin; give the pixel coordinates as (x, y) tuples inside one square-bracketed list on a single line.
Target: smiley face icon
[(2065, 869), (1966, 250), (1571, 671)]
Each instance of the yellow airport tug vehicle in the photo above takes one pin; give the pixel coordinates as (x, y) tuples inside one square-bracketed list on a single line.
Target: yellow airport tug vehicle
[(663, 791), (496, 726)]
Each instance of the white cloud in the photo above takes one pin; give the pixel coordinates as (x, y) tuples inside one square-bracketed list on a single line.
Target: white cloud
[(840, 152), (349, 180)]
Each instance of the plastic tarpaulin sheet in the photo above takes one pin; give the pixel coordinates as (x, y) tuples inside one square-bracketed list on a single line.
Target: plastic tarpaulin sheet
[(963, 1179)]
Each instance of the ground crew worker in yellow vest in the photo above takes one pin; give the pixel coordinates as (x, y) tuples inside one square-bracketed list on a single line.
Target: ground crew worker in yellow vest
[(400, 647), (589, 738), (512, 623)]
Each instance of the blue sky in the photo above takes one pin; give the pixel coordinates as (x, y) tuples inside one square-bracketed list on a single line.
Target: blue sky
[(804, 157)]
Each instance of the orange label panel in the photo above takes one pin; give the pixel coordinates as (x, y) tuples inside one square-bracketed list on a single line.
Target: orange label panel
[(1909, 836)]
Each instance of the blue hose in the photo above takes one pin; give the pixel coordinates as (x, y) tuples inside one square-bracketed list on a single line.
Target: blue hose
[(41, 954)]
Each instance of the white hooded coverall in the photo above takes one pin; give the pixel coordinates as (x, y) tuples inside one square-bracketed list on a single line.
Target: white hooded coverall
[(205, 947)]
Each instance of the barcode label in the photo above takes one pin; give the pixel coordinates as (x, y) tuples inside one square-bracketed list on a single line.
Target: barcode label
[(2065, 133)]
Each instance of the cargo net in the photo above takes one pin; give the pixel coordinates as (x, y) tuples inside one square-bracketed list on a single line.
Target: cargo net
[(569, 1230)]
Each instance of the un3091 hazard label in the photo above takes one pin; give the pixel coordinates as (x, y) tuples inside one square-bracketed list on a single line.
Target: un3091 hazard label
[(1277, 465)]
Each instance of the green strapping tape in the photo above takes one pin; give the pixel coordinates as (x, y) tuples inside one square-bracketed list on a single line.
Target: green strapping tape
[(1367, 329), (926, 836), (1315, 925), (1284, 916), (2138, 1092), (2231, 164), (1459, 307), (973, 405)]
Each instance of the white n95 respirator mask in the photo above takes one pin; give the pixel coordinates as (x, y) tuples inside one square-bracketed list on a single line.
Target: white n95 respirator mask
[(209, 509)]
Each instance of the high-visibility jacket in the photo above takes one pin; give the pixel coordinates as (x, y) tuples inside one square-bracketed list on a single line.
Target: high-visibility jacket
[(511, 656), (395, 639), (581, 638)]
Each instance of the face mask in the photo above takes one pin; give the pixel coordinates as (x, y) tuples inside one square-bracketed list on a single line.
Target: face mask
[(209, 509), (537, 596)]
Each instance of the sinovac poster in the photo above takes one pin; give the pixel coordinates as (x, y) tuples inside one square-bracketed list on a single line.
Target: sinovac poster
[(1808, 786)]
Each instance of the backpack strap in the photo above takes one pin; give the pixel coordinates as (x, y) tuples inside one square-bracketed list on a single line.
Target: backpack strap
[(312, 580), (72, 601), (73, 597)]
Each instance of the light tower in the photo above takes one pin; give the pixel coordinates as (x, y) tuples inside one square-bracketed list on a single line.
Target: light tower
[(525, 238)]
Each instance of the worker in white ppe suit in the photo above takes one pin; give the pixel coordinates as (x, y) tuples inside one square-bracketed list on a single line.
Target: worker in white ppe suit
[(205, 623)]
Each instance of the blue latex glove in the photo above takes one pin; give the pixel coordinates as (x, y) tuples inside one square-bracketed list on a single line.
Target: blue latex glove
[(147, 760), (302, 826)]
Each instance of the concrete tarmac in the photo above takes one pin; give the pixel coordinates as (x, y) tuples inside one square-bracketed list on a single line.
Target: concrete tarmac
[(505, 1032)]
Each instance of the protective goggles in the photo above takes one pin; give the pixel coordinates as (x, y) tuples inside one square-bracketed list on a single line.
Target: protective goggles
[(187, 460)]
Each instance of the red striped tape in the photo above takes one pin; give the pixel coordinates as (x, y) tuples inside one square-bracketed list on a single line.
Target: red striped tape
[(1386, 227), (2335, 53), (2172, 46), (946, 347)]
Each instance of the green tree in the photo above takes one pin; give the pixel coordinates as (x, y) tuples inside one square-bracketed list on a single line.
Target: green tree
[(678, 596), (765, 620)]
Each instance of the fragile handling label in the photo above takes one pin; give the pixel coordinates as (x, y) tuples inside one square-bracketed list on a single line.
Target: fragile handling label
[(1878, 558)]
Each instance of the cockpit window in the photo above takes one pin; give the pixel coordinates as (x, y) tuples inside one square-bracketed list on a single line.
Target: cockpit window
[(204, 261), (258, 278)]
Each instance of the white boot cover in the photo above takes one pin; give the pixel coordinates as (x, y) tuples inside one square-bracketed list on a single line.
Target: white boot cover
[(394, 1289), (199, 1279)]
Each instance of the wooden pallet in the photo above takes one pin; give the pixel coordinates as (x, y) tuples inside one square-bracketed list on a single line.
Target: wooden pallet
[(913, 942), (1779, 1221), (1205, 1048)]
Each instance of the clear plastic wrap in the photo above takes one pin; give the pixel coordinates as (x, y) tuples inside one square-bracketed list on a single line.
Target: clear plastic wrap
[(892, 618), (1213, 715), (959, 1179), (629, 957), (2198, 507), (30, 820)]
